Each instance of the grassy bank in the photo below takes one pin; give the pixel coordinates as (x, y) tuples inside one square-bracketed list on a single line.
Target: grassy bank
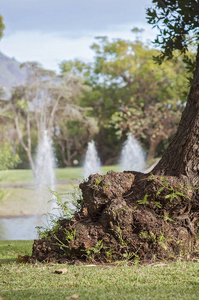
[(17, 191), (178, 280)]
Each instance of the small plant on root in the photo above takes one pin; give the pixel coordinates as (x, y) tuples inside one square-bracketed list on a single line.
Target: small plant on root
[(64, 210)]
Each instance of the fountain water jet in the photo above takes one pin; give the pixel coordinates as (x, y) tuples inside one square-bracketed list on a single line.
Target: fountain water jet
[(45, 174), (132, 156), (45, 163), (92, 162)]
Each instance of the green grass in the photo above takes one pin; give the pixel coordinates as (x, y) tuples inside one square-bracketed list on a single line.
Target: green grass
[(179, 280), (13, 176), (25, 176), (69, 173), (9, 250)]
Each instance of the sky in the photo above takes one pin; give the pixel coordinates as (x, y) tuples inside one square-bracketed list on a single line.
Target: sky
[(50, 31)]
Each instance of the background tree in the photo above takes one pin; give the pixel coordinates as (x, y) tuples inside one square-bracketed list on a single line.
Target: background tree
[(8, 155), (36, 106), (8, 160), (150, 126), (77, 126), (135, 93), (73, 131)]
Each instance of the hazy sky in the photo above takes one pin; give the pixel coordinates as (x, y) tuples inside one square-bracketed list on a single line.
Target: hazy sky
[(49, 31)]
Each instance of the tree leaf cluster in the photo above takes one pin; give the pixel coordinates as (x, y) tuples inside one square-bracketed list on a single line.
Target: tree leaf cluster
[(178, 25), (8, 159)]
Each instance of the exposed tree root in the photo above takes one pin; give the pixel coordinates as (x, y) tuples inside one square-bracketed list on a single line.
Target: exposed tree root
[(126, 215)]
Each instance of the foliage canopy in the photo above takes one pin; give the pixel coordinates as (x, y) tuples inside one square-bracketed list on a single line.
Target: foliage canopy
[(178, 25)]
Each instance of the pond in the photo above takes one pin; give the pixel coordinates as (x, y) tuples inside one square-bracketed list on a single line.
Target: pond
[(19, 228), (24, 209)]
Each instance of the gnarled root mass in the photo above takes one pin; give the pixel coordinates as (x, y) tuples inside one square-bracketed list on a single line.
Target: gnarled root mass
[(126, 215)]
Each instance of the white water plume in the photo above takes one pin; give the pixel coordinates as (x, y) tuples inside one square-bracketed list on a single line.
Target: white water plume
[(132, 156), (92, 162), (45, 171), (45, 163)]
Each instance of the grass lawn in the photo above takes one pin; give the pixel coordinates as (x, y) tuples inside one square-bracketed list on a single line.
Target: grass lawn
[(25, 176), (13, 176), (179, 280)]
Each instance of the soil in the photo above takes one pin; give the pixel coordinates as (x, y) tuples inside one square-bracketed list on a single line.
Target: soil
[(126, 215)]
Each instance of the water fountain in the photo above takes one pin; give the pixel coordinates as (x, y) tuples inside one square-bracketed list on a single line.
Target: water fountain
[(92, 162), (132, 156), (22, 226), (45, 174), (45, 163)]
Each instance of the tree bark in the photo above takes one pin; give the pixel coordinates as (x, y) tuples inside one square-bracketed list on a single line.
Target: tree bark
[(27, 148), (182, 154), (152, 149)]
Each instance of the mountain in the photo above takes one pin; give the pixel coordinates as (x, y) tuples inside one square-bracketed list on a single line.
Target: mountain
[(10, 72)]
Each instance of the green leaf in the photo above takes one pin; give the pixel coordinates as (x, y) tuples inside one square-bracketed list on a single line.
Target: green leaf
[(160, 190)]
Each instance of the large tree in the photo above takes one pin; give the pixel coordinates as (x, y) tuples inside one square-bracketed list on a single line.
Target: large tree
[(178, 23), (136, 215)]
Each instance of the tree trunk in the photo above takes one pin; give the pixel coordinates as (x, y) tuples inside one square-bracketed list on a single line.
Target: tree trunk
[(182, 155), (27, 148), (66, 162), (153, 145), (32, 165)]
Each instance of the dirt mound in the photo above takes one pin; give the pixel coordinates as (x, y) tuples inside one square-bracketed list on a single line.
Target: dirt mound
[(126, 215)]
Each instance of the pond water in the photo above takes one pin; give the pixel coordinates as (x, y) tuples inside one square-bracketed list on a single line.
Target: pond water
[(21, 212), (30, 214), (19, 228)]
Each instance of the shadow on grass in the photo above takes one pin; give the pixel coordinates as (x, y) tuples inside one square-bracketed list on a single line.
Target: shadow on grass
[(140, 292), (7, 261)]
